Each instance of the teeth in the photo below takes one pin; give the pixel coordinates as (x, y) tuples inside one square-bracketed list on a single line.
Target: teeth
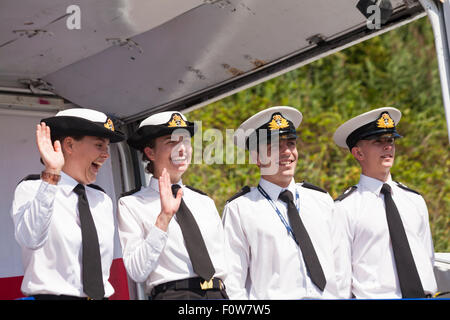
[(97, 164)]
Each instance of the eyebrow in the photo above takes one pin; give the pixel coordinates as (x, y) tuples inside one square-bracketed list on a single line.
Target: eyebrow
[(105, 140)]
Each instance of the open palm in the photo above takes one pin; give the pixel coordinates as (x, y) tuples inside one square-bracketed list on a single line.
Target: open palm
[(51, 154), (169, 204)]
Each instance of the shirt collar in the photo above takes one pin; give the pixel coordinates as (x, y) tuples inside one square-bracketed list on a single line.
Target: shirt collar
[(373, 185), (154, 183), (67, 183), (274, 190)]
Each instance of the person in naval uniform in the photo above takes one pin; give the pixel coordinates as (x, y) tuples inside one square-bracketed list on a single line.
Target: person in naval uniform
[(64, 223), (389, 243), (171, 234), (282, 238)]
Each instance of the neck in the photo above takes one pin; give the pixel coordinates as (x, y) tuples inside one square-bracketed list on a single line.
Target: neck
[(72, 172), (382, 176), (173, 178), (279, 181)]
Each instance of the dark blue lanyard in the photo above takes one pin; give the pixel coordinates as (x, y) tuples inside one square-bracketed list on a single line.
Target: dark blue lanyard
[(288, 228)]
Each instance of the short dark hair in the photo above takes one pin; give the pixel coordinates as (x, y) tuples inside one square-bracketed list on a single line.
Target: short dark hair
[(149, 168), (62, 137)]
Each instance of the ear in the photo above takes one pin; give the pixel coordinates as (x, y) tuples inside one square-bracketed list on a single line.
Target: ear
[(150, 153), (67, 145), (357, 153)]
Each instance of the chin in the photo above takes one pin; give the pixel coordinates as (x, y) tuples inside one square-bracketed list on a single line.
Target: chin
[(90, 179), (181, 167), (387, 164)]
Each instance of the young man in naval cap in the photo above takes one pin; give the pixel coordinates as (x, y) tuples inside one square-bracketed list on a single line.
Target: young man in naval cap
[(388, 234), (281, 236), (171, 234), (64, 224)]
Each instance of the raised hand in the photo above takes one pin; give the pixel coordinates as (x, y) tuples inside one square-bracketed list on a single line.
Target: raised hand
[(51, 154), (169, 204)]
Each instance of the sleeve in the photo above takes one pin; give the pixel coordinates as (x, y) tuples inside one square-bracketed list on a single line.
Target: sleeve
[(31, 211), (236, 254), (342, 251), (427, 238), (142, 243)]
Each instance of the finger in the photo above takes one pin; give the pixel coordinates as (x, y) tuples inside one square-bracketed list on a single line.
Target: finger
[(39, 134), (57, 146), (162, 180), (47, 132)]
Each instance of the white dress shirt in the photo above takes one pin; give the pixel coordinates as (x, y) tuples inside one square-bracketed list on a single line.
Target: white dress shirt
[(153, 256), (374, 273), (47, 227), (265, 262)]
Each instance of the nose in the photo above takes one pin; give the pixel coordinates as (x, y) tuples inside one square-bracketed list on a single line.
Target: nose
[(105, 153), (181, 149), (388, 145)]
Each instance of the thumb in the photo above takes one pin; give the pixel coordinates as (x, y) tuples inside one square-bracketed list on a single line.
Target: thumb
[(179, 195), (57, 146)]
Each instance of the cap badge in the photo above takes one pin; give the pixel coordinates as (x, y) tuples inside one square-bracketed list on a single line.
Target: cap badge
[(278, 122), (385, 121), (176, 121), (109, 124)]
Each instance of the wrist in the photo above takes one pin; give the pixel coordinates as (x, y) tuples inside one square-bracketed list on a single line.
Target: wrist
[(163, 220), (50, 177), (56, 171)]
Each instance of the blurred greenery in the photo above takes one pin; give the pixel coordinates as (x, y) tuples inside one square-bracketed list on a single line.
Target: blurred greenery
[(395, 69)]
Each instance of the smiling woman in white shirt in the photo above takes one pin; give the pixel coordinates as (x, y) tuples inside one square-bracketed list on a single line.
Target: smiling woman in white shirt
[(389, 241), (173, 244), (64, 223), (282, 238)]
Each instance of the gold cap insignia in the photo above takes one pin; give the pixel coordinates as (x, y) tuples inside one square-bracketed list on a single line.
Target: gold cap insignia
[(278, 122), (177, 121), (109, 125), (385, 121)]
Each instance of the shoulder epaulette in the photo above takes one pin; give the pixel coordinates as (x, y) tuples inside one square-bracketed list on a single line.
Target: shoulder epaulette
[(346, 193), (196, 190), (94, 186), (31, 177), (243, 191), (313, 187), (130, 192), (401, 185)]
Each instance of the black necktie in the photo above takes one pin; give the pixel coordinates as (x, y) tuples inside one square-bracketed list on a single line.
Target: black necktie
[(196, 248), (301, 236), (408, 276), (92, 265)]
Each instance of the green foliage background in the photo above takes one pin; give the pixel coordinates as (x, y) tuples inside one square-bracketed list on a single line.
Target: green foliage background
[(395, 69)]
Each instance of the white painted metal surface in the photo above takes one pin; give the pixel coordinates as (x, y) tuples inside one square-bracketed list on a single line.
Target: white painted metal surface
[(27, 54), (442, 271), (132, 57)]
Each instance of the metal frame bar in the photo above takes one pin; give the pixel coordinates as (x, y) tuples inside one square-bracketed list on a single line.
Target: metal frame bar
[(435, 11)]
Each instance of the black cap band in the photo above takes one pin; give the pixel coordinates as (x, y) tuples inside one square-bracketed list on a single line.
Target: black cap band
[(383, 125)]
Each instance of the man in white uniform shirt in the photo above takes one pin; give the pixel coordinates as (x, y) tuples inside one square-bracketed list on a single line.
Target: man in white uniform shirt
[(64, 224), (282, 238), (174, 245), (388, 234)]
